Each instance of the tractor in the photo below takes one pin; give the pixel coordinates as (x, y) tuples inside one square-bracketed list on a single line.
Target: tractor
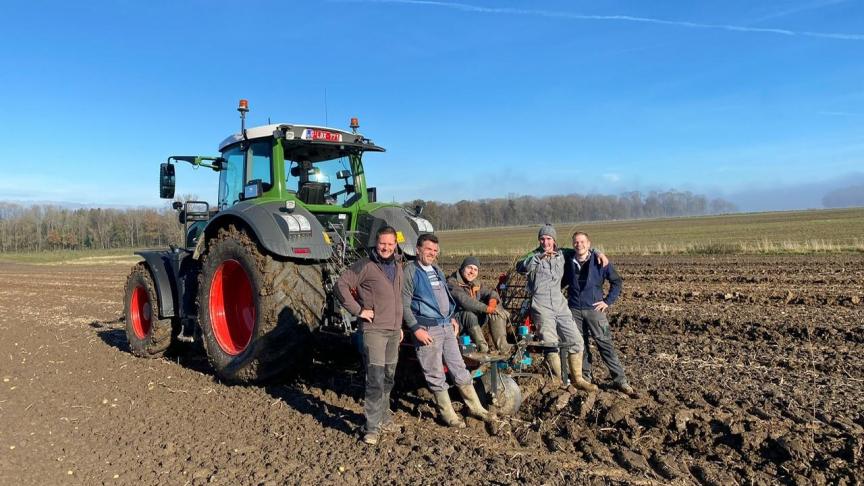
[(254, 278)]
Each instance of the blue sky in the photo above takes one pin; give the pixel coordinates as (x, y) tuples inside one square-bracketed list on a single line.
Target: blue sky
[(472, 99)]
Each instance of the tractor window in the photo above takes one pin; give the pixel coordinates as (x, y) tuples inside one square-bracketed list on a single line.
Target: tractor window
[(261, 168), (231, 179), (319, 182)]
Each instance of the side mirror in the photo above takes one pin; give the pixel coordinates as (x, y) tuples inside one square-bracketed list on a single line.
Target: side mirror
[(343, 174), (372, 194), (167, 179), (418, 209)]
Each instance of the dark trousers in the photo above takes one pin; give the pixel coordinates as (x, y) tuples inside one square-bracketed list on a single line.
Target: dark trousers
[(594, 324), (380, 354)]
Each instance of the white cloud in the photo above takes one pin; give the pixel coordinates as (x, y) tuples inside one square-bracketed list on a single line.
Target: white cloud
[(623, 18)]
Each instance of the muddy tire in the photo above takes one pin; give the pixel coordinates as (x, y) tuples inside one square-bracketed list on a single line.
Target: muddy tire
[(149, 336), (257, 312)]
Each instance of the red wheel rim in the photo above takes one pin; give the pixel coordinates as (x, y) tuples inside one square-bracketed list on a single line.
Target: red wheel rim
[(140, 312), (232, 309)]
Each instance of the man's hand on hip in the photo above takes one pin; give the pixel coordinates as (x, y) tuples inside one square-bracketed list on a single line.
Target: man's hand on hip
[(601, 306), (423, 337), (367, 315)]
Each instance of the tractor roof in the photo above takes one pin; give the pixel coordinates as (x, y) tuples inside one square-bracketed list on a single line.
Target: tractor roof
[(318, 139)]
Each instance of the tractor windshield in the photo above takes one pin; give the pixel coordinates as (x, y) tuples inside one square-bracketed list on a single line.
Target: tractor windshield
[(322, 182)]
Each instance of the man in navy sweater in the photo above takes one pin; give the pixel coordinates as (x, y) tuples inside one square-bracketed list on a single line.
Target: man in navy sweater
[(584, 277)]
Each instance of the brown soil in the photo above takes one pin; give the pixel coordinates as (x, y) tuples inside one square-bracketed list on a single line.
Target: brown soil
[(750, 369)]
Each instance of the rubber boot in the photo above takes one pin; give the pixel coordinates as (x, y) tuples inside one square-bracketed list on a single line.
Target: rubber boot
[(477, 336), (498, 329), (553, 362), (576, 379), (469, 396), (445, 410)]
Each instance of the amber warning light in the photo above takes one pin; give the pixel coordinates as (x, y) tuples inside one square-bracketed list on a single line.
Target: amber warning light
[(355, 124), (244, 106)]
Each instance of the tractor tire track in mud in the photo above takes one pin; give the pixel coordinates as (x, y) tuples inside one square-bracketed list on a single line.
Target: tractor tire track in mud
[(750, 370)]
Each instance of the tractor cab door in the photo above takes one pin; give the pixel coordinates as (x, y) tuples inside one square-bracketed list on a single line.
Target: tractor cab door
[(245, 163)]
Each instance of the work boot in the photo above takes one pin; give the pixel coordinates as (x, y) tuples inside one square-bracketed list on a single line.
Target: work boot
[(479, 339), (498, 329), (469, 396), (445, 410), (370, 438), (626, 389), (574, 360), (387, 424), (553, 362)]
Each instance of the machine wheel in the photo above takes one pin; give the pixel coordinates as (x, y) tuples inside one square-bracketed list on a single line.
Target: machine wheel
[(508, 396), (148, 335), (256, 312)]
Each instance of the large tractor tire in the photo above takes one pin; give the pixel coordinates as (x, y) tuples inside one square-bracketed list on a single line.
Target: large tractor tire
[(148, 336), (257, 312)]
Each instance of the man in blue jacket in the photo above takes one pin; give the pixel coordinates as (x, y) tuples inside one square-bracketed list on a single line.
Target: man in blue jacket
[(428, 309), (584, 277)]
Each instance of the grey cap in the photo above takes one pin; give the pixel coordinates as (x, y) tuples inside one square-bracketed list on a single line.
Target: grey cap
[(547, 230), (471, 260)]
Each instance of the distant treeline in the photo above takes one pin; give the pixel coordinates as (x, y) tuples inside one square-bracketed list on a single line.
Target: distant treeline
[(520, 210), (47, 227)]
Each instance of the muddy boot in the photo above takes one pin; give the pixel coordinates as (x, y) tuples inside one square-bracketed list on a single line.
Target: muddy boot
[(469, 396), (445, 410), (498, 329), (574, 360), (553, 362), (626, 389), (477, 336)]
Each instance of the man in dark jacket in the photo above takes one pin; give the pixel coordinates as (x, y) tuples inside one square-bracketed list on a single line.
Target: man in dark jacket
[(584, 277), (477, 306), (428, 310), (372, 291)]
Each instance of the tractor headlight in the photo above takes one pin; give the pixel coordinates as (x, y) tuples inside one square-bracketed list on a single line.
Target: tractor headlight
[(297, 222)]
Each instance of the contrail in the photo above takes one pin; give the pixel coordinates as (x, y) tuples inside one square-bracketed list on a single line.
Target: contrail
[(621, 18)]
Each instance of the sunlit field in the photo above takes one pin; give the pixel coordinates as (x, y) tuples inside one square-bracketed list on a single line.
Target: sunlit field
[(775, 232)]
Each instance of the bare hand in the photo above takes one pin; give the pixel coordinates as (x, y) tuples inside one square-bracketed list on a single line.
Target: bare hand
[(600, 306), (455, 326), (604, 261), (423, 337), (401, 336), (367, 315)]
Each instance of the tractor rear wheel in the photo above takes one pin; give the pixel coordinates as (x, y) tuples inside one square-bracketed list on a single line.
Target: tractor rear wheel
[(256, 311), (148, 335)]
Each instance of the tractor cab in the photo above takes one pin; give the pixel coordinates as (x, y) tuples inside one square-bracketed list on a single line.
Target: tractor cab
[(307, 180)]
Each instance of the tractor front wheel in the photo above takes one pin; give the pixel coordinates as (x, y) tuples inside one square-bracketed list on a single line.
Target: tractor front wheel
[(256, 312), (148, 335)]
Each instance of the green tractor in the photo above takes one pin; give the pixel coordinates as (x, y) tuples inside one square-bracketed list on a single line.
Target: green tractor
[(254, 280)]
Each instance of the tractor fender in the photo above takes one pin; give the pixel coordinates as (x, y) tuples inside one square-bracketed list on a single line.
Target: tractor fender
[(293, 233), (159, 264), (407, 226)]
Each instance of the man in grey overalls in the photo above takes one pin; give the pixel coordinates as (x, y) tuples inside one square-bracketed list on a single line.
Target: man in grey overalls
[(549, 311)]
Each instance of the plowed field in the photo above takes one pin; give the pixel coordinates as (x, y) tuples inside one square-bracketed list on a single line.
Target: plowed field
[(750, 370)]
